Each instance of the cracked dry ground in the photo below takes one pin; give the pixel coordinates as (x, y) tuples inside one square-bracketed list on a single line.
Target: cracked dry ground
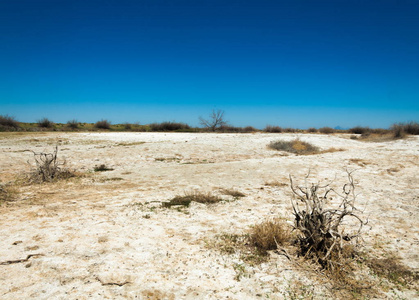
[(105, 234)]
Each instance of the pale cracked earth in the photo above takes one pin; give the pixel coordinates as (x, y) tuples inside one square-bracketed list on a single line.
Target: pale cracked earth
[(106, 236)]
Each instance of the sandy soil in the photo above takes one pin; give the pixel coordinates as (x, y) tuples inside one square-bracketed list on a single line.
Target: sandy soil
[(105, 236)]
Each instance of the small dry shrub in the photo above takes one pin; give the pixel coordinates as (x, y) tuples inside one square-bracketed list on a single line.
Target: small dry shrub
[(323, 233), (326, 130), (312, 130), (45, 123), (73, 124), (295, 146), (359, 130), (169, 126), (270, 234), (8, 122), (273, 129), (48, 168), (186, 199), (103, 124)]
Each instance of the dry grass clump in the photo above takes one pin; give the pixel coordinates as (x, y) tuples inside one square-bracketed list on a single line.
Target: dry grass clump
[(185, 200), (233, 192), (270, 235), (295, 146), (102, 168), (7, 194), (48, 168)]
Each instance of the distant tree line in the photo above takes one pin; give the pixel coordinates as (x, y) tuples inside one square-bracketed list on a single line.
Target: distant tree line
[(216, 122)]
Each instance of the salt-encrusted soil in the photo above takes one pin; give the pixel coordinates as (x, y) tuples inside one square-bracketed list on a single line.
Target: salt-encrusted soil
[(105, 235)]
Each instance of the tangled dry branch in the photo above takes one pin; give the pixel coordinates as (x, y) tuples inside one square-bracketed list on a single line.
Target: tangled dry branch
[(321, 231), (48, 167)]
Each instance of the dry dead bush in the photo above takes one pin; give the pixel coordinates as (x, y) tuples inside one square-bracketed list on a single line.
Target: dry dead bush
[(48, 168), (270, 235), (326, 234), (295, 146), (185, 200)]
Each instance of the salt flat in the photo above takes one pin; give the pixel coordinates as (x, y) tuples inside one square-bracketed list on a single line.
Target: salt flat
[(105, 235)]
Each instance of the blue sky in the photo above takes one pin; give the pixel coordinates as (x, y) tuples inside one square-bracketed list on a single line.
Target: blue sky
[(297, 63)]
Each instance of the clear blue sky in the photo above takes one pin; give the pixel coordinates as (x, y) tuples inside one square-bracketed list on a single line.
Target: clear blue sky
[(296, 63)]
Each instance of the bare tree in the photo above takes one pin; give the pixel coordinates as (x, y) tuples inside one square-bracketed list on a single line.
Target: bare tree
[(322, 233), (215, 120)]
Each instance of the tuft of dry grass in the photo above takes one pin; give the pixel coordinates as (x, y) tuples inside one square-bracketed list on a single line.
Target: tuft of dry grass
[(295, 146), (185, 200), (270, 234), (7, 194), (102, 168), (233, 192)]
